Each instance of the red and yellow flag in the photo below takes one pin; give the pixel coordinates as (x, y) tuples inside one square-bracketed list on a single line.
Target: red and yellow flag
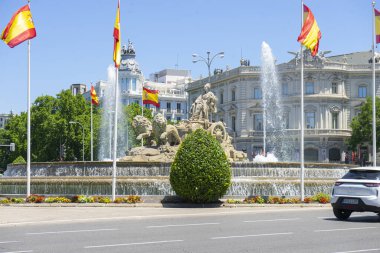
[(94, 97), (117, 37), (20, 28), (377, 26), (310, 33), (150, 97)]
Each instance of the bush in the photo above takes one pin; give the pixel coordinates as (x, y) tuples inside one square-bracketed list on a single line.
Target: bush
[(102, 199), (35, 199), (321, 198), (57, 200), (4, 201), (19, 160), (82, 199), (18, 200), (254, 199), (200, 171)]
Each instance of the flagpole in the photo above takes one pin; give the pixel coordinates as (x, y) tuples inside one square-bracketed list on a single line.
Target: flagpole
[(142, 107), (28, 126), (115, 137), (373, 87), (302, 120), (92, 153)]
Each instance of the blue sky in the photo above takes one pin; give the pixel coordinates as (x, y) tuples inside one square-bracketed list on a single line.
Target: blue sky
[(74, 37)]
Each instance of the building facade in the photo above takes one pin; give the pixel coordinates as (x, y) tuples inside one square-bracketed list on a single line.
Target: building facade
[(170, 83), (4, 119), (334, 89)]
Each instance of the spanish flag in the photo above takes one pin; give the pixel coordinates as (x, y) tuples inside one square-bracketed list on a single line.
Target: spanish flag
[(117, 37), (310, 33), (20, 28), (150, 97), (94, 97), (377, 26)]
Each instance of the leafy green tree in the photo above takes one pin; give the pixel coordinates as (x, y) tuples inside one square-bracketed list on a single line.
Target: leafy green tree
[(200, 171), (50, 128), (362, 124)]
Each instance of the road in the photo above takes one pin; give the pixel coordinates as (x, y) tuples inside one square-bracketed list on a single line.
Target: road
[(187, 230)]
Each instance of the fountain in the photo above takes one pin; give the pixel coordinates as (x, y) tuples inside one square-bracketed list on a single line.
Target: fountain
[(145, 171), (276, 141)]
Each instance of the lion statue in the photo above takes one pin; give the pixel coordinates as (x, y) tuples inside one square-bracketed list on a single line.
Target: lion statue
[(142, 126), (166, 134)]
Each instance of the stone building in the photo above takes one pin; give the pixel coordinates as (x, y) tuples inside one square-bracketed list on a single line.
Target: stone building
[(4, 119), (335, 88)]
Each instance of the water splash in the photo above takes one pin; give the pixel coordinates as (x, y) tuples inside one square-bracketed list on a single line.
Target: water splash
[(275, 139), (106, 127)]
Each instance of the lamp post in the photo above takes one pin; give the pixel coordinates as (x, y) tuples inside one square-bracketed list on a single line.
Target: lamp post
[(75, 122), (208, 60)]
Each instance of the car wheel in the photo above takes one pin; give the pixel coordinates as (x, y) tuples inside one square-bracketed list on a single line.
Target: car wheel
[(342, 214)]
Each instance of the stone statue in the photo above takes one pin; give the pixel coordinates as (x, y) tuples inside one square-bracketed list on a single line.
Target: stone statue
[(143, 127), (204, 104), (166, 134)]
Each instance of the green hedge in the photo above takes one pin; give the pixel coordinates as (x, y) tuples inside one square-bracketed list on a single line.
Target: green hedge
[(200, 172)]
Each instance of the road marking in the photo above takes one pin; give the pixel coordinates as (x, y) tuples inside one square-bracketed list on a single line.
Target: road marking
[(130, 244), (17, 251), (73, 231), (362, 250), (242, 236), (343, 229), (184, 225), (9, 242), (272, 220)]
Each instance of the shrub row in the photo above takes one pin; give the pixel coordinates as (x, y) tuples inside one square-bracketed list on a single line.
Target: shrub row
[(319, 198), (75, 199)]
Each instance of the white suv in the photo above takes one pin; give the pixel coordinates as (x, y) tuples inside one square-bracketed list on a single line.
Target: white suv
[(357, 191)]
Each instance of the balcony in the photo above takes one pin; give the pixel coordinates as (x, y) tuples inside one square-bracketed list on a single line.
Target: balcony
[(309, 132)]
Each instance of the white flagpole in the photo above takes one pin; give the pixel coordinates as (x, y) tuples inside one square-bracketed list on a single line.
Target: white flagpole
[(92, 152), (115, 137), (373, 88), (28, 126), (142, 107), (302, 120)]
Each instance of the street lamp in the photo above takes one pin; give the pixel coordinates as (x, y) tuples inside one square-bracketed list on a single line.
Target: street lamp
[(208, 61), (75, 122)]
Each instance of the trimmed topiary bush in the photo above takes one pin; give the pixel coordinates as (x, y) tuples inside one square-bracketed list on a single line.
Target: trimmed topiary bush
[(19, 160), (200, 172)]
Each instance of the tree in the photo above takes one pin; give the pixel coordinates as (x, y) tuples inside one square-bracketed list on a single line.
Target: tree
[(200, 171), (362, 124), (50, 128)]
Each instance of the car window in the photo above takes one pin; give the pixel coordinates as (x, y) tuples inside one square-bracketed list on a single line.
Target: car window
[(362, 174)]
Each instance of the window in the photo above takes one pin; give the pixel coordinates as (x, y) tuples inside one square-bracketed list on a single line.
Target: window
[(362, 91), (309, 88), (147, 106), (136, 101), (178, 118), (310, 120), (257, 94), (168, 107), (285, 89), (286, 120), (178, 107), (233, 123), (233, 95), (221, 97), (258, 122), (133, 80), (168, 118), (334, 120), (334, 88)]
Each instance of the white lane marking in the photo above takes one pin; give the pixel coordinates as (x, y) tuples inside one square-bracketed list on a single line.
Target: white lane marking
[(161, 216), (242, 236), (130, 244), (73, 231), (9, 242), (272, 220), (184, 225), (362, 250), (17, 251), (343, 229)]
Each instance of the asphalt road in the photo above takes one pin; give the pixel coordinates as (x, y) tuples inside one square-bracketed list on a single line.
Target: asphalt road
[(185, 230)]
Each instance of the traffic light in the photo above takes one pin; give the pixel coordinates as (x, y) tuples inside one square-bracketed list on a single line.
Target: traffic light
[(12, 147)]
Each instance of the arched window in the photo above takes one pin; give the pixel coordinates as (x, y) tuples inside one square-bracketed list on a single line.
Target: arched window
[(362, 92), (233, 95), (257, 93), (334, 88)]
